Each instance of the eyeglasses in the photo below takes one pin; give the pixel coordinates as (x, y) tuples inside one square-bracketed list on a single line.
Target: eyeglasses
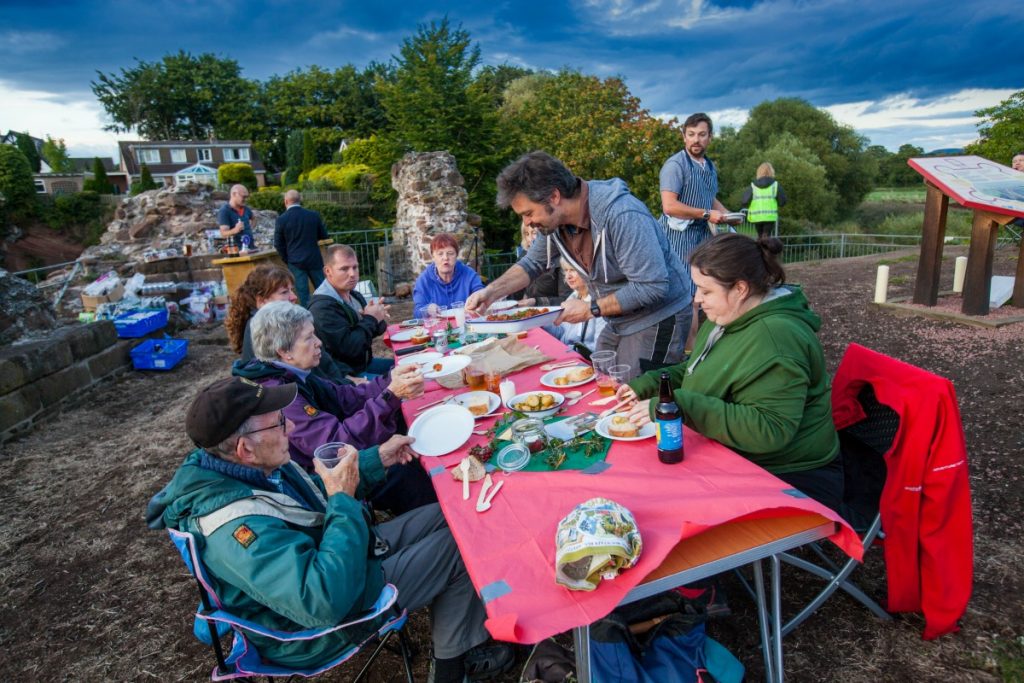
[(281, 421)]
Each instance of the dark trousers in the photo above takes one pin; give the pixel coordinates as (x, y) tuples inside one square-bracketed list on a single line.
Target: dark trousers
[(302, 278), (824, 484)]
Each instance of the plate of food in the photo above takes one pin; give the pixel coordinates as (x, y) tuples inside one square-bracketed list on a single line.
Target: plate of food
[(441, 430), (562, 378), (445, 366), (514, 320), (480, 403), (412, 322), (411, 334), (618, 427), (536, 403), (420, 358)]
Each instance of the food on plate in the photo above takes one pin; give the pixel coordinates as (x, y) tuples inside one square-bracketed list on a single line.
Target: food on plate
[(578, 374), (620, 426), (438, 367), (476, 470), (535, 402), (419, 336), (478, 405), (518, 315)]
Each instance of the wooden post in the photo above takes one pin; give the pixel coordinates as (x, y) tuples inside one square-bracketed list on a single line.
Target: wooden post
[(1018, 282), (929, 266), (978, 284)]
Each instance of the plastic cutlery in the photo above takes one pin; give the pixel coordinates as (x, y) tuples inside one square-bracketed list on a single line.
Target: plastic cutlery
[(483, 490), (464, 468), (576, 399), (486, 505)]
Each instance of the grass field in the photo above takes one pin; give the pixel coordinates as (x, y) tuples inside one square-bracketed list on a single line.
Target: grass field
[(910, 195)]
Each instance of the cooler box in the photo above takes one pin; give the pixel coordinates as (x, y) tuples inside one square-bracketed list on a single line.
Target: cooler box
[(140, 323), (159, 354)]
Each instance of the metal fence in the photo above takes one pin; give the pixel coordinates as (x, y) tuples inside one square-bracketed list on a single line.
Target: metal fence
[(353, 199)]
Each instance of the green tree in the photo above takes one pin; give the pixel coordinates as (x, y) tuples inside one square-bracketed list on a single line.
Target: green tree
[(99, 182), (378, 155), (231, 174), (55, 153), (433, 103), (596, 126), (850, 173), (17, 189), (1001, 130), (179, 97), (896, 170), (28, 147), (495, 79), (144, 183), (293, 157), (309, 156)]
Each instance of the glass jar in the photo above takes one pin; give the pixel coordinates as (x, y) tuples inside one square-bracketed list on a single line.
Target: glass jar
[(530, 432)]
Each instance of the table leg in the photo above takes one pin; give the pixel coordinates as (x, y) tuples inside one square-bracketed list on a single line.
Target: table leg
[(581, 637), (777, 616), (762, 621)]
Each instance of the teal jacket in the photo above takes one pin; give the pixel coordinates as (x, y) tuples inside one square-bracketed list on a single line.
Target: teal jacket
[(281, 562), (761, 388)]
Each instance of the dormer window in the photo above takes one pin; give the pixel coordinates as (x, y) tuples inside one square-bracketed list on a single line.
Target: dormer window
[(149, 156)]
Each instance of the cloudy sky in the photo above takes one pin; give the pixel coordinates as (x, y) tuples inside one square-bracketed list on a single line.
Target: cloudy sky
[(896, 70)]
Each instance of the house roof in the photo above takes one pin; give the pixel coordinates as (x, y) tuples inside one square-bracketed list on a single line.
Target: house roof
[(127, 147), (84, 164), (197, 169)]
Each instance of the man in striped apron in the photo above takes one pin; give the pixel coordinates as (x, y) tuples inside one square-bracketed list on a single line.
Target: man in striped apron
[(689, 202), (610, 237)]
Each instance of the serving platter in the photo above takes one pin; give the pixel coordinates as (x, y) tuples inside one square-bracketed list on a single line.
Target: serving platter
[(529, 322)]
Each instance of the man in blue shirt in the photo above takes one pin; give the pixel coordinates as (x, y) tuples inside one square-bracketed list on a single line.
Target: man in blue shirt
[(235, 218)]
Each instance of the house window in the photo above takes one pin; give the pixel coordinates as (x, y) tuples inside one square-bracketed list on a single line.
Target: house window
[(178, 156), (205, 154), (236, 154), (40, 187), (149, 156)]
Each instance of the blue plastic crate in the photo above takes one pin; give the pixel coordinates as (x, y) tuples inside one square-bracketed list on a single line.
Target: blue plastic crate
[(140, 323), (159, 354)]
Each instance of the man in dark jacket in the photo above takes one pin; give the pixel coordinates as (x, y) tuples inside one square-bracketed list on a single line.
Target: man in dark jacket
[(296, 234), (342, 318)]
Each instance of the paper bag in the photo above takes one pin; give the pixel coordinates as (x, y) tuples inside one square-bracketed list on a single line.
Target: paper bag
[(504, 355)]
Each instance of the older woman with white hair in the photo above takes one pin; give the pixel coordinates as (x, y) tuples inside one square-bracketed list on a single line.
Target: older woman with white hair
[(287, 350)]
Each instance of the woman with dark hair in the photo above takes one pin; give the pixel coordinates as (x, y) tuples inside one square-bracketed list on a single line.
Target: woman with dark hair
[(263, 285), (756, 381), (446, 280)]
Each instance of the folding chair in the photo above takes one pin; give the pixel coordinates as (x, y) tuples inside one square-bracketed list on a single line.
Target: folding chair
[(905, 468), (212, 622)]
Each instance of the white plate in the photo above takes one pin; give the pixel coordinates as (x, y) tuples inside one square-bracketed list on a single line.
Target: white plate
[(518, 398), (548, 380), (420, 358), (493, 401), (441, 430), (449, 365), (502, 305), (484, 326), (405, 335), (414, 322), (646, 432)]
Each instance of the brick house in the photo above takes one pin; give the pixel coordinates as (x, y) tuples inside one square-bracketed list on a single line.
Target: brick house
[(167, 158)]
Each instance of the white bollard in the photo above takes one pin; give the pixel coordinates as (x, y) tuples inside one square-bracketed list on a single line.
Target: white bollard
[(881, 284), (959, 273)]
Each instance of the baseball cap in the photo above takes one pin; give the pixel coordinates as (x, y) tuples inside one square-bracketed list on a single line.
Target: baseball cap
[(221, 408)]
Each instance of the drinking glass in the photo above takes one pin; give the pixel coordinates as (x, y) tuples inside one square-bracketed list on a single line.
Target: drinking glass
[(492, 380), (459, 310), (328, 453), (619, 374), (602, 360), (475, 372)]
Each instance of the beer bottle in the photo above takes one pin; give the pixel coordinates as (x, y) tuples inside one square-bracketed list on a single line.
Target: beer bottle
[(669, 419)]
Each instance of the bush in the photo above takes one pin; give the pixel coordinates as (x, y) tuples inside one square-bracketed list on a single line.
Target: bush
[(231, 174), (144, 183), (267, 200), (16, 184), (338, 176)]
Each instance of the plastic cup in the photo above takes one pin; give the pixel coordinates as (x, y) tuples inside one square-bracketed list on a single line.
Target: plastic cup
[(328, 453), (459, 310), (492, 381), (619, 374), (601, 360), (474, 374)]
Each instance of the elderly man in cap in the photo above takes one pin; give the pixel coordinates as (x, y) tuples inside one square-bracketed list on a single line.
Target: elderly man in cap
[(293, 551)]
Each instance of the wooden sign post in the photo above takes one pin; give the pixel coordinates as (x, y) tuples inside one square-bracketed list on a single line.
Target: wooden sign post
[(996, 193)]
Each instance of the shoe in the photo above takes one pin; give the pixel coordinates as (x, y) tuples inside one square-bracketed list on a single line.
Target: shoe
[(488, 661)]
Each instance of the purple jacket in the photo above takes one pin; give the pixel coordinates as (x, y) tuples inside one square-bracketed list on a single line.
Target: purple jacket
[(363, 415)]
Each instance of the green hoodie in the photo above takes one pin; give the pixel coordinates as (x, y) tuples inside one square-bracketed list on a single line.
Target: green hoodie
[(762, 388), (272, 559)]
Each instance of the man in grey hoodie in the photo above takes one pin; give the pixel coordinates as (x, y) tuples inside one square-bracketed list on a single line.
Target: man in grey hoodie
[(609, 236)]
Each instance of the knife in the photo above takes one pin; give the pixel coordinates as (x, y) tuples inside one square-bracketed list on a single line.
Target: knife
[(411, 349)]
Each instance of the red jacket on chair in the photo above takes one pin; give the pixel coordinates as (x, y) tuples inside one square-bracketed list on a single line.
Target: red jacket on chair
[(926, 501)]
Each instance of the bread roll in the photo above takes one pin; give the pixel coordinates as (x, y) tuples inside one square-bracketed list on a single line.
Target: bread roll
[(580, 374), (621, 426)]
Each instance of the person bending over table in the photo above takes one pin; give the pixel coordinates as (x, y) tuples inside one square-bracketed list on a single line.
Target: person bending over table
[(264, 284), (756, 381), (287, 350), (316, 560), (446, 280)]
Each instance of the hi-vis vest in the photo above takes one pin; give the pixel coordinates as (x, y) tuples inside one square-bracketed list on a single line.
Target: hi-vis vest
[(764, 208)]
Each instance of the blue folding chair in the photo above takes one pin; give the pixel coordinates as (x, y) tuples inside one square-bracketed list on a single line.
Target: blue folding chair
[(212, 622)]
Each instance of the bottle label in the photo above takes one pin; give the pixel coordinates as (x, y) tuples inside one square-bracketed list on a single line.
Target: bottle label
[(670, 434)]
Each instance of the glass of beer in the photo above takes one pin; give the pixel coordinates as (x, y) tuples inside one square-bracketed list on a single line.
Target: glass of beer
[(474, 375), (602, 361), (492, 380)]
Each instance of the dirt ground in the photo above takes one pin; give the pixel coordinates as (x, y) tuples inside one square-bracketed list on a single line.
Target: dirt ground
[(90, 595)]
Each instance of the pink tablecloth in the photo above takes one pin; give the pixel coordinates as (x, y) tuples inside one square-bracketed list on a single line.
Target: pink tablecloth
[(510, 549)]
